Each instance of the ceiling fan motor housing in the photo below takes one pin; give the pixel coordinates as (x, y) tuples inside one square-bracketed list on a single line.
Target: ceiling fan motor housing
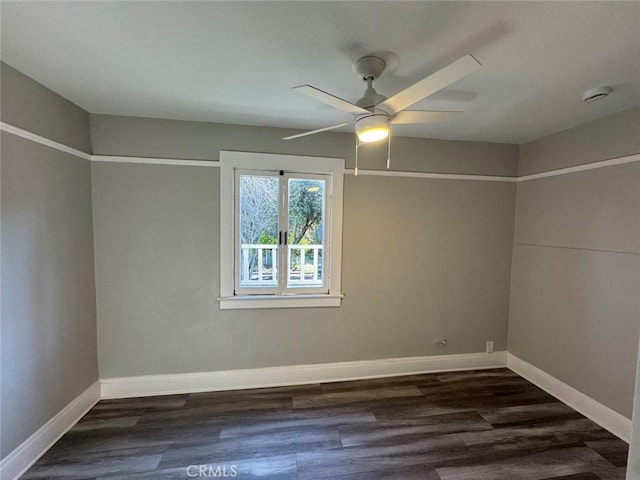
[(369, 67)]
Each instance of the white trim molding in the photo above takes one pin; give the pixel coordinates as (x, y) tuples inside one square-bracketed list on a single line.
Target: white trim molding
[(607, 418), (148, 385), (395, 173), (392, 173), (155, 161), (29, 451), (438, 176), (243, 302), (19, 132), (581, 168), (377, 173)]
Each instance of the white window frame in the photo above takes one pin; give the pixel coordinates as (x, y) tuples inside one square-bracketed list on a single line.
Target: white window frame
[(230, 162)]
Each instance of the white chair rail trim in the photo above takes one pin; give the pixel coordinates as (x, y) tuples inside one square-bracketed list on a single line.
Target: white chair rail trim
[(383, 173)]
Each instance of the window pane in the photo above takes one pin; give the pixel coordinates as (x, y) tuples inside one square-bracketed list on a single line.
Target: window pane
[(258, 231), (305, 250)]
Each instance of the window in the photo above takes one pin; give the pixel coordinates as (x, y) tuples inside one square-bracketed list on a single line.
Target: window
[(281, 222), (280, 230)]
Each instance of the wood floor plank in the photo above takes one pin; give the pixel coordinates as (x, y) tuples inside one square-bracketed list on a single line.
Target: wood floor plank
[(351, 460), (106, 422), (545, 465), (148, 435), (421, 407), (612, 449), (578, 476), (92, 465), (398, 431), (281, 467), (355, 396), (619, 473), (384, 382), (253, 394), (520, 414), (297, 420), (161, 402), (477, 375), (527, 432), (412, 472), (253, 446), (213, 409)]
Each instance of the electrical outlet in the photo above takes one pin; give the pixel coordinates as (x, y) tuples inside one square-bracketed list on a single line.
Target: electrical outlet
[(489, 347)]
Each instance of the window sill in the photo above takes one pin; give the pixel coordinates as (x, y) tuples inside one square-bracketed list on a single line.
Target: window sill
[(280, 301)]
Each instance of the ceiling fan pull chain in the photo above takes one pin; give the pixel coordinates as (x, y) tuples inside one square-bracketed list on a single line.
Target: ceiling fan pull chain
[(357, 146), (389, 149)]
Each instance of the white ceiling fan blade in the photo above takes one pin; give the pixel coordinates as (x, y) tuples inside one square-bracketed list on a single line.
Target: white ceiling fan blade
[(329, 99), (311, 132), (431, 84), (423, 116)]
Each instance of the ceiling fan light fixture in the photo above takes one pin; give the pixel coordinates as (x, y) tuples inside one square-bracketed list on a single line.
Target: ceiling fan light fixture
[(372, 128)]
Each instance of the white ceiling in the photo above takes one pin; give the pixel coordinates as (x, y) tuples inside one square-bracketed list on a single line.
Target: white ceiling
[(235, 62)]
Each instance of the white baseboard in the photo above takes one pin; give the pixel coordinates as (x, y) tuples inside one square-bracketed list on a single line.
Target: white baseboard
[(29, 451), (608, 419), (147, 385), (25, 455)]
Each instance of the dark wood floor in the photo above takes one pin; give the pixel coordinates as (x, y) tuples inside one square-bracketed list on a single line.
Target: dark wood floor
[(481, 425)]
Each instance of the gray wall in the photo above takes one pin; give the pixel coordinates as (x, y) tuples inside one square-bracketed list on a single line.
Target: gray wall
[(146, 137), (610, 137), (29, 105), (576, 261), (633, 466), (49, 351), (422, 258)]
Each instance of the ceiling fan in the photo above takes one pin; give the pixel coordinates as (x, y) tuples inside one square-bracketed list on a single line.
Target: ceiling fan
[(374, 113)]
